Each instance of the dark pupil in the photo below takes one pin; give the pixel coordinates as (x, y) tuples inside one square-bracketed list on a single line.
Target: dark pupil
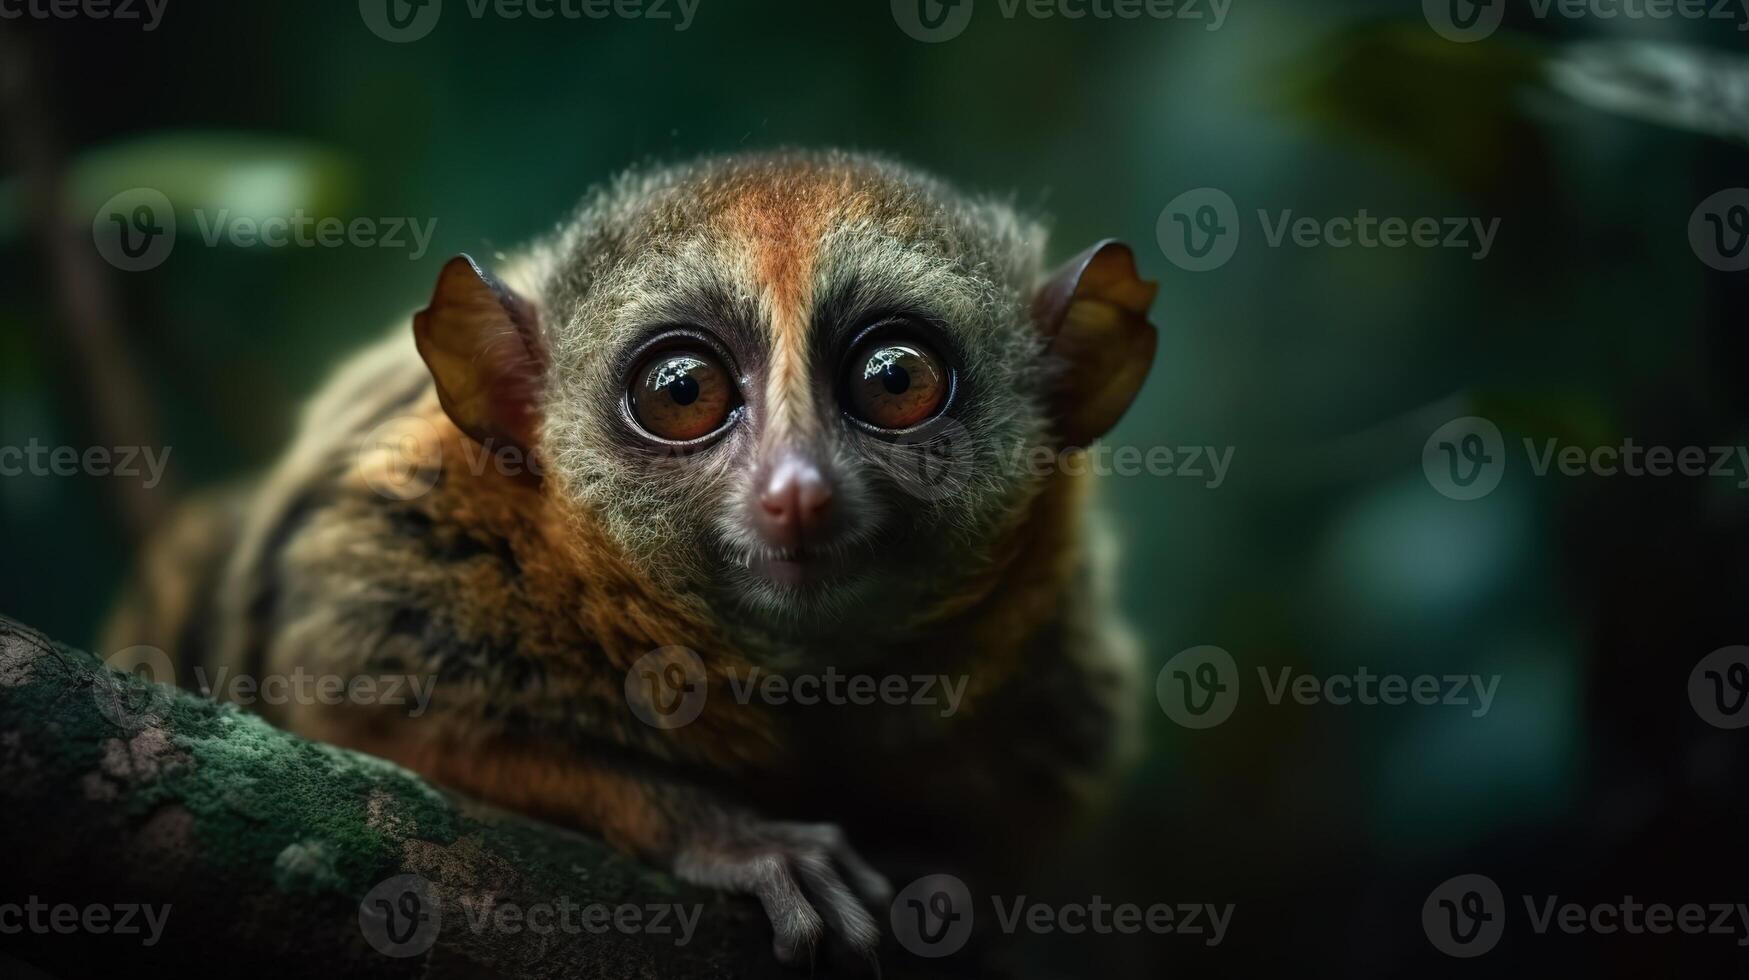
[(684, 390), (896, 379)]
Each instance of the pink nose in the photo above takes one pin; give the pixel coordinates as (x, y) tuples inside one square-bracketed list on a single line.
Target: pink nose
[(795, 502)]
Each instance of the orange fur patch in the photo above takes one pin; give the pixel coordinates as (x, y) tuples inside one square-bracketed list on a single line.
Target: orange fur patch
[(779, 220), (575, 591)]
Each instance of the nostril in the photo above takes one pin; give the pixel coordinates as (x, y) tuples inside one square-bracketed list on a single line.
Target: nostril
[(777, 502), (814, 500), (795, 499)]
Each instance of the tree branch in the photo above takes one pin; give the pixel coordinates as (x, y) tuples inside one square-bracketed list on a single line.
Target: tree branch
[(115, 792)]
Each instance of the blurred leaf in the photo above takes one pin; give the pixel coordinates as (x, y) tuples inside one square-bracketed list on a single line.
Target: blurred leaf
[(1448, 108), (1683, 88), (1575, 418), (249, 176)]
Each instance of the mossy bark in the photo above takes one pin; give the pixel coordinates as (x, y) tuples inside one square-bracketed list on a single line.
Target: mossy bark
[(264, 845)]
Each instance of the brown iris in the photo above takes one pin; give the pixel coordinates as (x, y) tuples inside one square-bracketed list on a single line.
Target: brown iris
[(681, 395), (895, 384)]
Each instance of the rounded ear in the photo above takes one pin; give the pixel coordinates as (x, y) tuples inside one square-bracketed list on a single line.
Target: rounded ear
[(483, 346), (1095, 312)]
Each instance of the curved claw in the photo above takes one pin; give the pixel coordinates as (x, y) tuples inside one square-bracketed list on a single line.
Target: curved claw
[(809, 880)]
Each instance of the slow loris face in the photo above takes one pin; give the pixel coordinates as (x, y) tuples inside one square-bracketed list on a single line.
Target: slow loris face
[(774, 381), (803, 387)]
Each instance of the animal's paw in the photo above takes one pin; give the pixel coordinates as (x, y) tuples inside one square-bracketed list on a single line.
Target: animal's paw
[(813, 886)]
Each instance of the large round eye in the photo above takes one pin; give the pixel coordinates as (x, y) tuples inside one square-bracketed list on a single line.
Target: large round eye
[(895, 384), (681, 395)]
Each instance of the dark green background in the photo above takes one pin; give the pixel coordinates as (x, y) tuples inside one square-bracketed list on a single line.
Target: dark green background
[(1325, 370)]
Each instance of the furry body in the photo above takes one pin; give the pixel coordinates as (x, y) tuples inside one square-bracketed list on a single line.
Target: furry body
[(529, 591)]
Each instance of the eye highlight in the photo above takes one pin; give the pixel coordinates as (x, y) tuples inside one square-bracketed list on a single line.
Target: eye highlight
[(681, 395), (895, 384)]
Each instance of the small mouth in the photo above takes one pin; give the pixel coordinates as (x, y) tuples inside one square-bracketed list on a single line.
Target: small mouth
[(794, 568)]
